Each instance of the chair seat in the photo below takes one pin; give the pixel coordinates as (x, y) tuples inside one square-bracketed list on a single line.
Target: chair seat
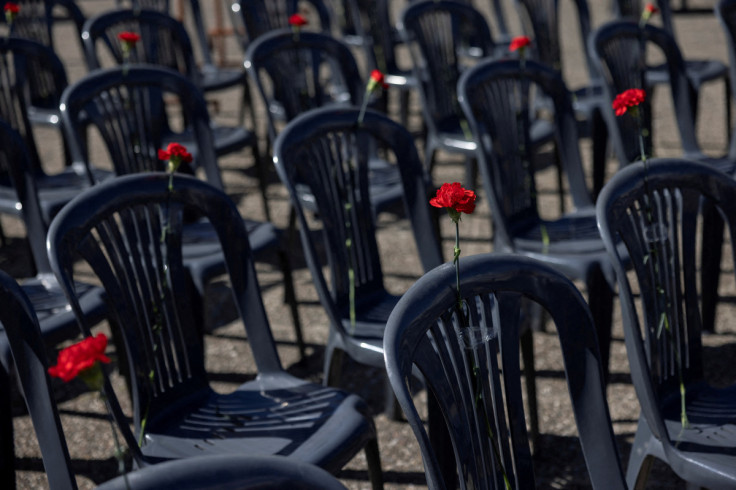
[(54, 191), (56, 319), (278, 415), (707, 444), (227, 139), (698, 71), (213, 78), (370, 316)]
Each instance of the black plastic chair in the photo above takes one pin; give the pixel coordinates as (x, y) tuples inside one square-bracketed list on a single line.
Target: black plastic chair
[(234, 472), (293, 76), (36, 19), (117, 229), (381, 44), (127, 110), (620, 50), (471, 368), (699, 71), (165, 42), (541, 20), (253, 18), (327, 151), (492, 95), (26, 68), (653, 212), (438, 34)]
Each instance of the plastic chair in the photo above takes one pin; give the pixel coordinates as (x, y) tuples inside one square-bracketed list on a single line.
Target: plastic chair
[(471, 368), (437, 34), (253, 18), (326, 151), (117, 229), (381, 44), (36, 19), (127, 110), (492, 95), (27, 67), (293, 76), (233, 472), (653, 211), (165, 42), (51, 307), (541, 20), (698, 71), (620, 50)]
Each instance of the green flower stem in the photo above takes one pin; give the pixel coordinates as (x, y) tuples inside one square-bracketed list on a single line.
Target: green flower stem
[(119, 452), (664, 320), (456, 261)]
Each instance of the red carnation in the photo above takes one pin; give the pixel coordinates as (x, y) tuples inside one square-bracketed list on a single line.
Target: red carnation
[(78, 358), (297, 20), (129, 38), (519, 42), (11, 7), (175, 154), (628, 99), (455, 199)]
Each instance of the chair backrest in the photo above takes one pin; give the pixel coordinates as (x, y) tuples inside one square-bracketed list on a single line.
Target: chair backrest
[(541, 19), (437, 34), (632, 10), (294, 75), (726, 13), (129, 231), (328, 152), (130, 108), (253, 18), (36, 19), (29, 354), (164, 40), (469, 362), (650, 216), (496, 97), (15, 164), (619, 50), (30, 74)]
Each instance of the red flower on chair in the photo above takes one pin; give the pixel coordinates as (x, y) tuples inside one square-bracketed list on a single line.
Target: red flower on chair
[(519, 42), (80, 357), (297, 20), (628, 99), (455, 199)]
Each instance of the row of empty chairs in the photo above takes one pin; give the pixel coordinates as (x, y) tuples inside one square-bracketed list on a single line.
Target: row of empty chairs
[(378, 309)]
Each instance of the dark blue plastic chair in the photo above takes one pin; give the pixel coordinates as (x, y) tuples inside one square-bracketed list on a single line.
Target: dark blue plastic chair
[(28, 68), (117, 228), (620, 50), (165, 42), (492, 95), (438, 34), (128, 112), (653, 212), (223, 472), (699, 71), (470, 365), (326, 151)]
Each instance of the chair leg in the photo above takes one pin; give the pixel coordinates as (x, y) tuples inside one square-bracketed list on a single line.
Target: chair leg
[(262, 175), (404, 107), (600, 299), (599, 134), (373, 458), (527, 354), (640, 461), (333, 364), (290, 299), (710, 266), (7, 452)]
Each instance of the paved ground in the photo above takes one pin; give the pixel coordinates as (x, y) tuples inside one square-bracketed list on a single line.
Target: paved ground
[(559, 462)]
